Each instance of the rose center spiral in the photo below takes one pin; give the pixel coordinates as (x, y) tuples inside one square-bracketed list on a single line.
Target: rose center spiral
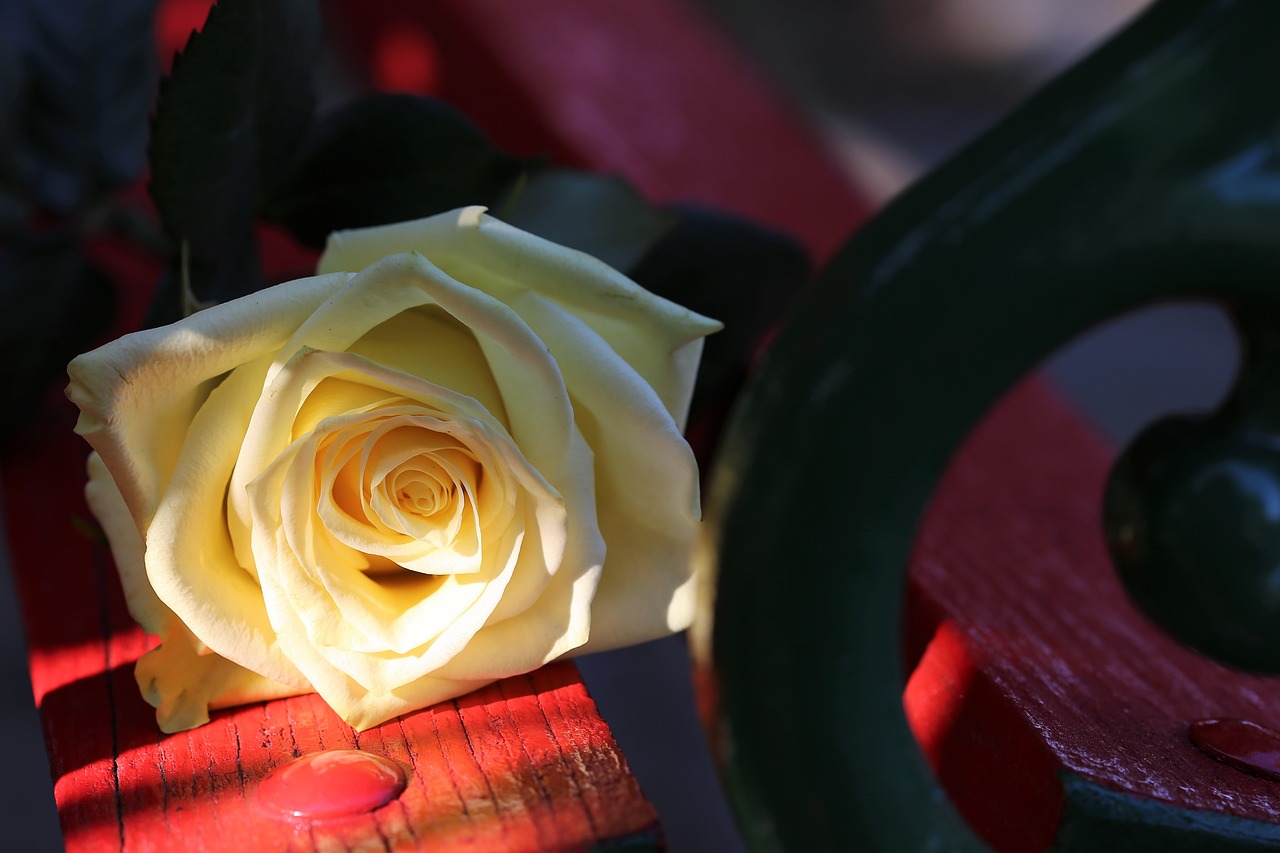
[(403, 490)]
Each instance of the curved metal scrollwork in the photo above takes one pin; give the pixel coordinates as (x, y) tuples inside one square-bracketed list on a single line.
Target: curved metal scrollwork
[(1150, 171)]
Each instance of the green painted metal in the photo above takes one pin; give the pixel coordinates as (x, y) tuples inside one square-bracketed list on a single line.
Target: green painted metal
[(1150, 171), (1094, 818), (1193, 514)]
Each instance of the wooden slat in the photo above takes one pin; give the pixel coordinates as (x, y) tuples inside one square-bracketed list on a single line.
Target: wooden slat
[(1031, 660)]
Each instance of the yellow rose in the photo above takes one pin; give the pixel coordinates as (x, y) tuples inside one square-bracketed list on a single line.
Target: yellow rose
[(450, 457)]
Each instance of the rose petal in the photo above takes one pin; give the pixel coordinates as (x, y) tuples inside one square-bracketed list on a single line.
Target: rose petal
[(443, 351), (137, 395), (347, 608), (127, 547), (646, 484), (516, 638), (183, 686), (651, 334), (176, 677), (531, 388), (206, 586), (312, 370), (338, 603), (562, 618)]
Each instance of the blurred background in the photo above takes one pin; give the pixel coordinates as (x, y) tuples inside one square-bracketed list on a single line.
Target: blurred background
[(893, 86)]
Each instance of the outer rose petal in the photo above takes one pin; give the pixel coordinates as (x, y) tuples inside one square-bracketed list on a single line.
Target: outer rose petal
[(646, 485), (137, 395), (183, 686), (179, 681), (649, 332), (190, 558), (103, 496), (530, 383)]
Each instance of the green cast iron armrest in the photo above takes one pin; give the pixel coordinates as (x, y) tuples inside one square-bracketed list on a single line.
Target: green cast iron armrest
[(1150, 171)]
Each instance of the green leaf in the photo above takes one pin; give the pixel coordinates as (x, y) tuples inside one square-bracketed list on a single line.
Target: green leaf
[(387, 158), (734, 271), (53, 305), (235, 108), (597, 214)]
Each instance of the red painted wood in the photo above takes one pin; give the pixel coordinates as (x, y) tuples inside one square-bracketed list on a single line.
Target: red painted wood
[(1032, 661)]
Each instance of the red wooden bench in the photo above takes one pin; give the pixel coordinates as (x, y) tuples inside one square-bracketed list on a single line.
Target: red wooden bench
[(1011, 590)]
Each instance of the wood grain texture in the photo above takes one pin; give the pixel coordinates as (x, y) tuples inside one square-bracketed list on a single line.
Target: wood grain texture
[(1031, 661)]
